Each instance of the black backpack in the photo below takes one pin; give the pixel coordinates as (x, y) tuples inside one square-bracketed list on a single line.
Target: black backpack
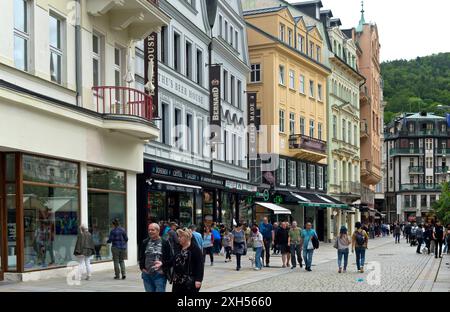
[(360, 240)]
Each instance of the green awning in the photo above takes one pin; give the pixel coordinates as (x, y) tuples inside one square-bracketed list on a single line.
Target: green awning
[(319, 201)]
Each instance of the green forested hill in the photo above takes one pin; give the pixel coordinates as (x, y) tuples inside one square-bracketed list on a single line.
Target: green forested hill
[(416, 85)]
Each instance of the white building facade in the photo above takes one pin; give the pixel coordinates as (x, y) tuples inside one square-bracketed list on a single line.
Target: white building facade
[(73, 128)]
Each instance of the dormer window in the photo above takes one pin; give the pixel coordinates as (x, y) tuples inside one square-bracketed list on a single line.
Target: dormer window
[(411, 127)]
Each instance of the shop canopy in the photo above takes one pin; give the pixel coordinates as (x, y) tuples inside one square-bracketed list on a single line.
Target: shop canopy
[(275, 208), (319, 200)]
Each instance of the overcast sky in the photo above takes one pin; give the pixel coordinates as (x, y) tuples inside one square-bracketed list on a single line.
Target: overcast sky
[(407, 28)]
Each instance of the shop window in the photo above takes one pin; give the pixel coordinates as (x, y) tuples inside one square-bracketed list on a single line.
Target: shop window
[(106, 202), (51, 211), (208, 207)]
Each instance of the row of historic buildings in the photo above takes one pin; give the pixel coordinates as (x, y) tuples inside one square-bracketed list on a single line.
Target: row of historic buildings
[(189, 110)]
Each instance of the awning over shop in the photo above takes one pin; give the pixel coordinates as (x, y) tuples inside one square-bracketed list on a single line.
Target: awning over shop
[(319, 200), (275, 208)]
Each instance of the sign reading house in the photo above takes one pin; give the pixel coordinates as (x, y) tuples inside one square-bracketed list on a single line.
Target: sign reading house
[(252, 124), (215, 104), (151, 69)]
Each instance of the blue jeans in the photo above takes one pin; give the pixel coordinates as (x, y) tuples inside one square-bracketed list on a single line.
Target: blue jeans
[(360, 257), (154, 282), (307, 255), (258, 262), (342, 253)]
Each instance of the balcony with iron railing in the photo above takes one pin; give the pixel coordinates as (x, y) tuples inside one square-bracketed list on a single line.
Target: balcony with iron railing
[(441, 170), (406, 151), (443, 151), (307, 148), (421, 187), (419, 133), (126, 109), (349, 187), (416, 169)]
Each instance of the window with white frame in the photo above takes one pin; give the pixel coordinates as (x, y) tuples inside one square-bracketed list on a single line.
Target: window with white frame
[(281, 120), (302, 175), (311, 49), (349, 132), (21, 34), (231, 36), (312, 176), (292, 173), (302, 126), (165, 124), (190, 133), (188, 60), (239, 94), (118, 74), (164, 45), (302, 84), (177, 52), (355, 135), (290, 37), (233, 149), (344, 130), (225, 85), (233, 90), (282, 75), (97, 61), (429, 180), (200, 136), (255, 75), (319, 53), (429, 162), (239, 151), (311, 88), (255, 171), (429, 144), (226, 30), (319, 131), (311, 128), (292, 123), (200, 67), (56, 48), (320, 177), (300, 42), (291, 79), (236, 40), (220, 26), (282, 31), (282, 172)]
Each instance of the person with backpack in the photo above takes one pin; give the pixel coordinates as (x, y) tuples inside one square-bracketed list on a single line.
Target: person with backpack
[(419, 238), (217, 240), (360, 240), (342, 245), (438, 237), (408, 232), (427, 237), (309, 238), (208, 245)]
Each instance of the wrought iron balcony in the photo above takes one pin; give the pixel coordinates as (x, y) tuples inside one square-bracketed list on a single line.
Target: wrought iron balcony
[(441, 170), (307, 147), (416, 169), (349, 187), (405, 151), (443, 151), (421, 187)]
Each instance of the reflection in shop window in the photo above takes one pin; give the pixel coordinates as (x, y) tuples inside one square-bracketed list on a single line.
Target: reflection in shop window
[(106, 202)]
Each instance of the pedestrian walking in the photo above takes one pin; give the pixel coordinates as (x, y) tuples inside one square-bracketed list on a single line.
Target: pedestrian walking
[(413, 238), (308, 235), (447, 240), (258, 245), (239, 244), (342, 245), (397, 232), (154, 258), (118, 239), (408, 232), (197, 236), (84, 249), (428, 237), (360, 240), (295, 245), (226, 243), (438, 237), (275, 244), (281, 238), (208, 245), (266, 230), (188, 265), (419, 237), (217, 240)]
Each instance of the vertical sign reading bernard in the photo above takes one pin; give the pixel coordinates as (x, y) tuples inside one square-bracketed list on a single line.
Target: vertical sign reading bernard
[(251, 100), (215, 109), (151, 69)]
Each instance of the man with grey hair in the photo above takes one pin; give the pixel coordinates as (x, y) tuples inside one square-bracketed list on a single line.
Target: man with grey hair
[(84, 249), (154, 260)]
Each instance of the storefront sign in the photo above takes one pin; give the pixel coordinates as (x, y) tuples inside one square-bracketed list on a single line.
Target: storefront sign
[(252, 147), (215, 109), (212, 181), (240, 186), (181, 174), (182, 90), (151, 69)]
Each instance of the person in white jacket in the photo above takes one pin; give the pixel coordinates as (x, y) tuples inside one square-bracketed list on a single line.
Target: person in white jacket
[(258, 244)]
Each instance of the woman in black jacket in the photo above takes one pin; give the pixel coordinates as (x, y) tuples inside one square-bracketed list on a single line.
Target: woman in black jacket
[(188, 265)]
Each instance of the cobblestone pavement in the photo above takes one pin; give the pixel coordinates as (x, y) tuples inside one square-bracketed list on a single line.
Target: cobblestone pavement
[(401, 270)]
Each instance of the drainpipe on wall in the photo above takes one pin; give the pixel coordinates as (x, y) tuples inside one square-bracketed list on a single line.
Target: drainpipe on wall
[(78, 63)]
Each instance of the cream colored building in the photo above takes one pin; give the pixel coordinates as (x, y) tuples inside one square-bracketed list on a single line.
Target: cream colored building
[(72, 128)]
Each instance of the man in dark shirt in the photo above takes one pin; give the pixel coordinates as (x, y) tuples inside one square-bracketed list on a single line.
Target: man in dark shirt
[(266, 230), (438, 236)]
